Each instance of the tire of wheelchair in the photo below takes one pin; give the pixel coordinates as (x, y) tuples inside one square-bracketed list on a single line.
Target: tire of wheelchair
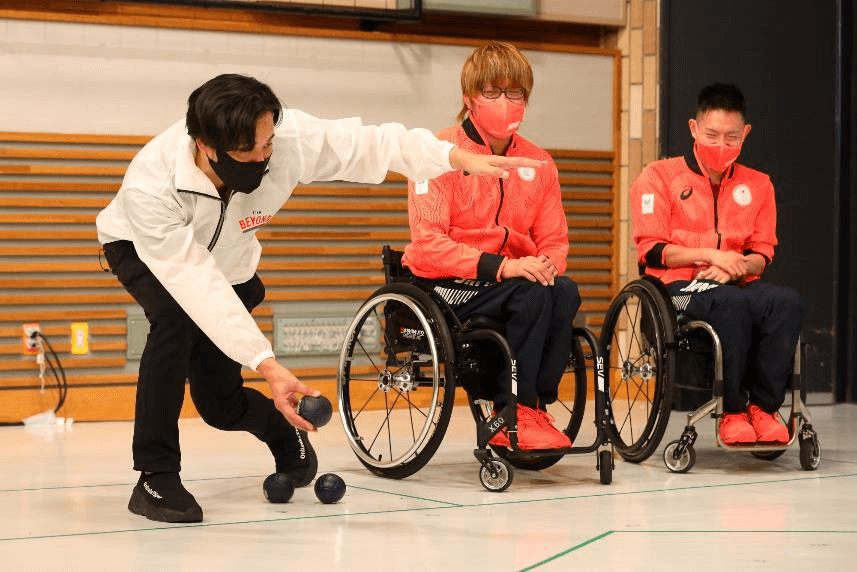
[(434, 416), (577, 365), (639, 413)]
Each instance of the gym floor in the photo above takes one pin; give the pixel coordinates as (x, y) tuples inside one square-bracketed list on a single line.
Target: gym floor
[(64, 492)]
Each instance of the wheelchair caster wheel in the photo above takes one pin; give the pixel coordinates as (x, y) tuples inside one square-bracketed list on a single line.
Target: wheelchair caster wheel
[(684, 462), (502, 477), (768, 455), (810, 451), (605, 467)]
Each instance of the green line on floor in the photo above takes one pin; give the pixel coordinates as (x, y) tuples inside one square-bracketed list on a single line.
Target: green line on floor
[(569, 551)]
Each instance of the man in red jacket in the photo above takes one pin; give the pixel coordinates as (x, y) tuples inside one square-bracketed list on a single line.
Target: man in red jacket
[(498, 247), (706, 226)]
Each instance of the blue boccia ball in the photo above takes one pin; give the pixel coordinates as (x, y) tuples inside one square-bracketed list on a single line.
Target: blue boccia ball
[(329, 488), (316, 410), (278, 487)]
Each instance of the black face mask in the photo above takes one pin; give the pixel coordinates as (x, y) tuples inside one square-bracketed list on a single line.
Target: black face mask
[(240, 176)]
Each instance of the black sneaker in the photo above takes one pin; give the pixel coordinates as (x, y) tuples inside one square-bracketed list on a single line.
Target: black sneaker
[(162, 497), (297, 458)]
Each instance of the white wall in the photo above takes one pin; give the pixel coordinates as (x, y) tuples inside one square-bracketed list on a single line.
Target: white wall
[(87, 78)]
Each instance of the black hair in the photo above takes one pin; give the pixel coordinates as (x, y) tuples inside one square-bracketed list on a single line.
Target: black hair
[(722, 96), (222, 112)]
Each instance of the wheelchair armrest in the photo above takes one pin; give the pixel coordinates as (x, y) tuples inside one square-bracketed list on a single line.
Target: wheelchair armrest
[(392, 261)]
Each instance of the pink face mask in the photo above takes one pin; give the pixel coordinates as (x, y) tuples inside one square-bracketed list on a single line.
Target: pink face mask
[(499, 118), (716, 158)]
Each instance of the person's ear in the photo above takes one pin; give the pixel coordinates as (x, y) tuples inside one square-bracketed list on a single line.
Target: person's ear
[(746, 132), (693, 127), (209, 152)]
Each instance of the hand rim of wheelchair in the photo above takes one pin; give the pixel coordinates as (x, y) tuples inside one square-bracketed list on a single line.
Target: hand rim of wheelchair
[(632, 442), (400, 465)]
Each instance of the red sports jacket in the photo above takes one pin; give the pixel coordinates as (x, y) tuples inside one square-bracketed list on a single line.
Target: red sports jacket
[(462, 226), (672, 202)]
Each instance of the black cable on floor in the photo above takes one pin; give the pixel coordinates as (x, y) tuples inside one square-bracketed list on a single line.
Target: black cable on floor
[(53, 362)]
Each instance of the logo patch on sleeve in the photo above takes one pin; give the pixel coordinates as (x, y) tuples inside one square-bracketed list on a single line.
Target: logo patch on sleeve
[(421, 187), (648, 203)]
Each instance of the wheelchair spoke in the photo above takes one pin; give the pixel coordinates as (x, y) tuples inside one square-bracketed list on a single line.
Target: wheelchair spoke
[(385, 423), (359, 410), (368, 356)]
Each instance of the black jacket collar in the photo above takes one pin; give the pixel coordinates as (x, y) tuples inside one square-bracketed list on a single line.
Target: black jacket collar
[(471, 132)]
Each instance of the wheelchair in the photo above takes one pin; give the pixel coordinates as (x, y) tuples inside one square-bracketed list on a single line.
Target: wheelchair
[(405, 353), (652, 355)]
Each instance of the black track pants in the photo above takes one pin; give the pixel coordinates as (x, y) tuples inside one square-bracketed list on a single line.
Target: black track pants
[(758, 326), (538, 329), (177, 351)]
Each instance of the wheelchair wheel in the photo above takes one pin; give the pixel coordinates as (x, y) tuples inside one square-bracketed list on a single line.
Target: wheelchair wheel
[(684, 462), (810, 450), (396, 384), (638, 343), (500, 480), (568, 411), (768, 455), (605, 467)]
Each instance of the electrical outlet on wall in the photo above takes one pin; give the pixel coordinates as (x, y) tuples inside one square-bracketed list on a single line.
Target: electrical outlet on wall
[(28, 337)]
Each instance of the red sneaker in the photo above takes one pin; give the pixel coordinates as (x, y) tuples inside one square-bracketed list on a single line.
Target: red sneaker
[(500, 439), (548, 421), (535, 432), (736, 428), (768, 426)]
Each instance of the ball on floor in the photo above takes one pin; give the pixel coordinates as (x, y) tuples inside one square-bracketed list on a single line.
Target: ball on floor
[(329, 488), (316, 410), (278, 487)]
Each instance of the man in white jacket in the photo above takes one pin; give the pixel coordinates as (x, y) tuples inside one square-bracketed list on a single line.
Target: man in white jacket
[(180, 237)]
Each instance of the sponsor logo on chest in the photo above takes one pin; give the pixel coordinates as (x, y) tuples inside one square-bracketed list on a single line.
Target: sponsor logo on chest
[(253, 221)]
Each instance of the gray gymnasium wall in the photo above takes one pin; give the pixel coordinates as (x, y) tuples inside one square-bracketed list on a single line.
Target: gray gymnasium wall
[(66, 77)]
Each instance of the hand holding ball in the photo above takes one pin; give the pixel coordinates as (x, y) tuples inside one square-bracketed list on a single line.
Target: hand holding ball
[(329, 488), (316, 410)]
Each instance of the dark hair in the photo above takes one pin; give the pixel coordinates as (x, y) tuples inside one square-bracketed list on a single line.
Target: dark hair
[(722, 96), (222, 112)]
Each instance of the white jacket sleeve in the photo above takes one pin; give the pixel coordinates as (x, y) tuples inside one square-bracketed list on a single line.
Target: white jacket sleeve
[(347, 150), (189, 273)]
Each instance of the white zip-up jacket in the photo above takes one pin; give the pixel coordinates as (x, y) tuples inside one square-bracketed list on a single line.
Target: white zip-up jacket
[(198, 246)]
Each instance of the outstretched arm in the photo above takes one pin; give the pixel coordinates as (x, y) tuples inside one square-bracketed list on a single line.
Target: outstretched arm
[(491, 165)]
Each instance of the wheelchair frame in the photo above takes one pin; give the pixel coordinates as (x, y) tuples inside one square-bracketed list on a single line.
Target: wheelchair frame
[(679, 456), (435, 320)]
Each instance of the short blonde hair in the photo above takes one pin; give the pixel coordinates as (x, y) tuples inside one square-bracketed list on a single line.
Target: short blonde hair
[(492, 64)]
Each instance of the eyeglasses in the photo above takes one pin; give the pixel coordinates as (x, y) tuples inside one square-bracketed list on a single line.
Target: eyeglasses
[(511, 93)]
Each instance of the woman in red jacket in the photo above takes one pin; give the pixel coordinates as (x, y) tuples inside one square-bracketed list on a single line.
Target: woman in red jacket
[(498, 247)]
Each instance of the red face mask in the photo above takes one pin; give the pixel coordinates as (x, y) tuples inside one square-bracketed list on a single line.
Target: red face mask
[(499, 118), (716, 158)]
